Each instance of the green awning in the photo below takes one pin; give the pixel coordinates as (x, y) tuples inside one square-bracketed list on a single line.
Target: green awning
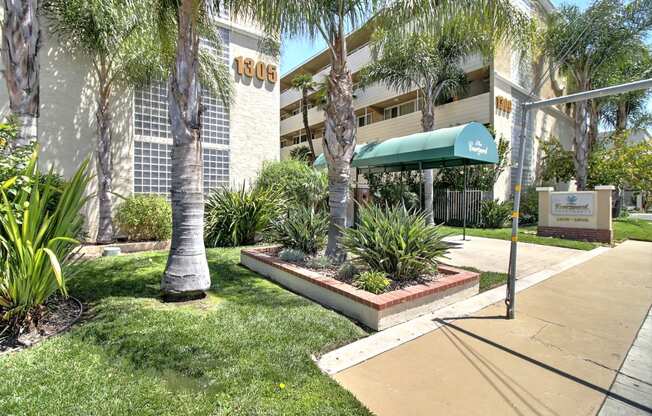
[(468, 144)]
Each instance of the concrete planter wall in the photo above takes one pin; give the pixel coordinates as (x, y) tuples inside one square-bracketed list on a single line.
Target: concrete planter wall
[(375, 311), (95, 250)]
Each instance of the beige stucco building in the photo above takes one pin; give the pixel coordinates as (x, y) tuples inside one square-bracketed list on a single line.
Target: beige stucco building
[(237, 138), (507, 77)]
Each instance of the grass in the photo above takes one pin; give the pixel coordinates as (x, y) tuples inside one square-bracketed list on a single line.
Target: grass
[(488, 280), (244, 350), (527, 234), (632, 229)]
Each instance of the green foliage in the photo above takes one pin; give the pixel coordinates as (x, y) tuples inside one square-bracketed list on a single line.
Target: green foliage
[(298, 183), (145, 218), (529, 209), (393, 189), (616, 161), (319, 262), (14, 163), (481, 177), (235, 218), (292, 255), (348, 271), (495, 214), (556, 162), (374, 282), (35, 243), (301, 153), (395, 241), (302, 228)]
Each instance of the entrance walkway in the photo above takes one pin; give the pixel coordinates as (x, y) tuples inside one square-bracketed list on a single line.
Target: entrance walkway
[(492, 255), (558, 357)]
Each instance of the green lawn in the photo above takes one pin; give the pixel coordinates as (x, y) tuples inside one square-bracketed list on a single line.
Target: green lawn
[(526, 234), (244, 350), (630, 228)]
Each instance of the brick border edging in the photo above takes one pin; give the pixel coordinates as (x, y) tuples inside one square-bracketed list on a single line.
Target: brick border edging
[(581, 234), (452, 277)]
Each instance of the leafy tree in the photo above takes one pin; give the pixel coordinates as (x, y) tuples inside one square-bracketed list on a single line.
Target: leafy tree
[(482, 177), (583, 42), (181, 24), (21, 34), (302, 154), (118, 37), (305, 84), (557, 162)]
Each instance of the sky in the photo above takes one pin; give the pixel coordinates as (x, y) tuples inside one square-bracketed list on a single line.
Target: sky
[(297, 50)]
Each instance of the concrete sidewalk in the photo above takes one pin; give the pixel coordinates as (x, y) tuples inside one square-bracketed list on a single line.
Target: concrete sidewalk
[(559, 357)]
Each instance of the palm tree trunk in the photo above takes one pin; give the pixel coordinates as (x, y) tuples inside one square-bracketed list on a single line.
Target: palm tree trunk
[(104, 117), (339, 147), (306, 126), (622, 114), (581, 143), (21, 33), (186, 273), (428, 124)]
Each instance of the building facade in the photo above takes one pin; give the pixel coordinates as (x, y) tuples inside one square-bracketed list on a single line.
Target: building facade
[(496, 86), (237, 138)]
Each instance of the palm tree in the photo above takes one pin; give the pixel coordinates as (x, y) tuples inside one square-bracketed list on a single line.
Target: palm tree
[(432, 65), (182, 23), (305, 84), (118, 38), (21, 35), (583, 42), (330, 20)]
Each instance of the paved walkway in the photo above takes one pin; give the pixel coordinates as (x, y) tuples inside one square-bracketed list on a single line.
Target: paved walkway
[(492, 255), (559, 357)]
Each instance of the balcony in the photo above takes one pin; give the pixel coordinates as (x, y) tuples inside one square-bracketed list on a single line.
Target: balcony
[(356, 61), (477, 108)]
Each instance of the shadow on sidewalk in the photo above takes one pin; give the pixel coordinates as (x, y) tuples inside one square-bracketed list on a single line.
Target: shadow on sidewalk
[(450, 330)]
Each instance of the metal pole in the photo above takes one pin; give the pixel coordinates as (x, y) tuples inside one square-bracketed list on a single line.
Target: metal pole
[(421, 187), (586, 95), (511, 277), (464, 208)]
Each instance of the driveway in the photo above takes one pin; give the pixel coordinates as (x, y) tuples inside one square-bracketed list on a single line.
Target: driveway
[(492, 255)]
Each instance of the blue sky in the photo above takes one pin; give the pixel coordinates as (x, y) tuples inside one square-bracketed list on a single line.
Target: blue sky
[(295, 51)]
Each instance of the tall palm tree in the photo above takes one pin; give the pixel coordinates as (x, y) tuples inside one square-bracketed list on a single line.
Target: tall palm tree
[(432, 64), (330, 20), (118, 37), (583, 42), (182, 23), (306, 84), (21, 41)]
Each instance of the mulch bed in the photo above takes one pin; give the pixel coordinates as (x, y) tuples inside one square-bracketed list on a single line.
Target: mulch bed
[(333, 272), (59, 315)]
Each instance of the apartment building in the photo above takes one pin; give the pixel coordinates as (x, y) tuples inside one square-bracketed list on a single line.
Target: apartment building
[(496, 86), (141, 135)]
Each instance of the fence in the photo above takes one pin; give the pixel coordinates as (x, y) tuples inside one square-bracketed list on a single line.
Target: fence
[(448, 206)]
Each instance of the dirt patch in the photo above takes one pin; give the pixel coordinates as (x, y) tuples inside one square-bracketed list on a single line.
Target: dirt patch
[(58, 315)]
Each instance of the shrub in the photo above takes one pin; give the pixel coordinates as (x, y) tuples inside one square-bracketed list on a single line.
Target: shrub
[(319, 262), (145, 218), (495, 214), (395, 241), (529, 209), (348, 271), (290, 254), (302, 154), (36, 243), (299, 184), (374, 282), (302, 228), (394, 188), (234, 218)]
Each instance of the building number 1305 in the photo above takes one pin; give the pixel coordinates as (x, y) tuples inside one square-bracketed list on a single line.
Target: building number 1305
[(250, 68)]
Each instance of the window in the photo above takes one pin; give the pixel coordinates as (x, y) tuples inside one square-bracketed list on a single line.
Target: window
[(400, 110), (153, 141), (364, 120)]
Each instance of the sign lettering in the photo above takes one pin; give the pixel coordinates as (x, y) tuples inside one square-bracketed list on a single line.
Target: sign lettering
[(250, 68)]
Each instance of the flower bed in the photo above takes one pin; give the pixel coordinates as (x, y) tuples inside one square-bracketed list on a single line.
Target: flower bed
[(375, 311)]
